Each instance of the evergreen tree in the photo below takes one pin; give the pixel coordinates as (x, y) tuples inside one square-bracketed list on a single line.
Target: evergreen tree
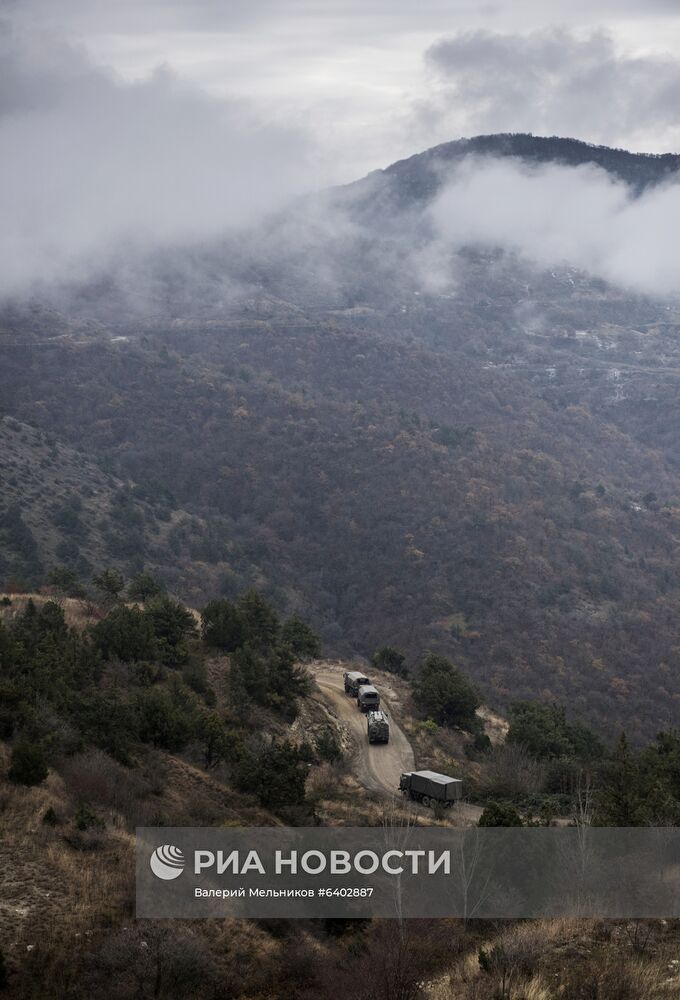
[(66, 581), (621, 798), (110, 584), (214, 738), (390, 659), (143, 586), (277, 775), (261, 623), (221, 625), (301, 639), (443, 693), (126, 633), (172, 624), (167, 716)]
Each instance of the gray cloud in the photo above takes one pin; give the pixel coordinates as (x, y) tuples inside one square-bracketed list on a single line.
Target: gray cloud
[(91, 164), (309, 15), (553, 81), (96, 165), (555, 215), (353, 69)]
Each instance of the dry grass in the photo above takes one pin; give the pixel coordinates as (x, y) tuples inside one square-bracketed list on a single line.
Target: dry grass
[(564, 960), (78, 613)]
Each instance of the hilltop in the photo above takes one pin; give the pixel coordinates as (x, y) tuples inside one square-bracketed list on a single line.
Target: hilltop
[(417, 178)]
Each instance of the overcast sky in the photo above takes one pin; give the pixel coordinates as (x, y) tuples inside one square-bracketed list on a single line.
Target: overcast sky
[(161, 121), (373, 80)]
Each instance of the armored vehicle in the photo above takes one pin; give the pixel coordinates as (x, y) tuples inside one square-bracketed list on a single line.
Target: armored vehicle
[(353, 680), (368, 698), (429, 787), (378, 727)]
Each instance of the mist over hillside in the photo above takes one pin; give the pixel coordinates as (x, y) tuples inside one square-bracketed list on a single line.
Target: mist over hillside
[(434, 408)]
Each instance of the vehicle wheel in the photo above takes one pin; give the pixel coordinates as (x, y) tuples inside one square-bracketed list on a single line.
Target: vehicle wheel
[(426, 800)]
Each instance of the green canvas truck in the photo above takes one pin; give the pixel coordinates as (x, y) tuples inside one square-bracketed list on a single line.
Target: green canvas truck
[(353, 680), (378, 727), (368, 699), (429, 787)]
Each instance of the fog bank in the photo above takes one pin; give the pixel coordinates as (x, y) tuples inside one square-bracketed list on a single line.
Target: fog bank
[(556, 215), (92, 165)]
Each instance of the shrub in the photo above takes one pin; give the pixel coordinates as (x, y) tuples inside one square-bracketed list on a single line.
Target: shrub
[(512, 773), (268, 677), (150, 961), (85, 819), (478, 746), (50, 817), (498, 814), (328, 745), (28, 765)]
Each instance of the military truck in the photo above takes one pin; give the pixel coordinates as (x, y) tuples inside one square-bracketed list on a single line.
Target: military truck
[(353, 680), (368, 698), (378, 727), (429, 787)]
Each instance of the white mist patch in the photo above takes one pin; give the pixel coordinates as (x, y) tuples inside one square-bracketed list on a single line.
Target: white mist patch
[(93, 166), (556, 215)]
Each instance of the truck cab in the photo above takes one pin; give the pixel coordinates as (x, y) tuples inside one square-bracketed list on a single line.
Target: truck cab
[(368, 698), (353, 680)]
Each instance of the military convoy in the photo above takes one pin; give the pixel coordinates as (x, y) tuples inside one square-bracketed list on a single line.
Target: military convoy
[(358, 686), (430, 788)]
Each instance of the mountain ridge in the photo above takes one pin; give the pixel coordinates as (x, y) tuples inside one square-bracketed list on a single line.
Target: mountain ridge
[(637, 169)]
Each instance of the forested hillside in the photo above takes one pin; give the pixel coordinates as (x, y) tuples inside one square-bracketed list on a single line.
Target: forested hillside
[(492, 474)]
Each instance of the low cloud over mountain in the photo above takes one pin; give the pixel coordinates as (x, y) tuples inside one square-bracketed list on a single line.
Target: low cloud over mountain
[(555, 214), (91, 163)]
